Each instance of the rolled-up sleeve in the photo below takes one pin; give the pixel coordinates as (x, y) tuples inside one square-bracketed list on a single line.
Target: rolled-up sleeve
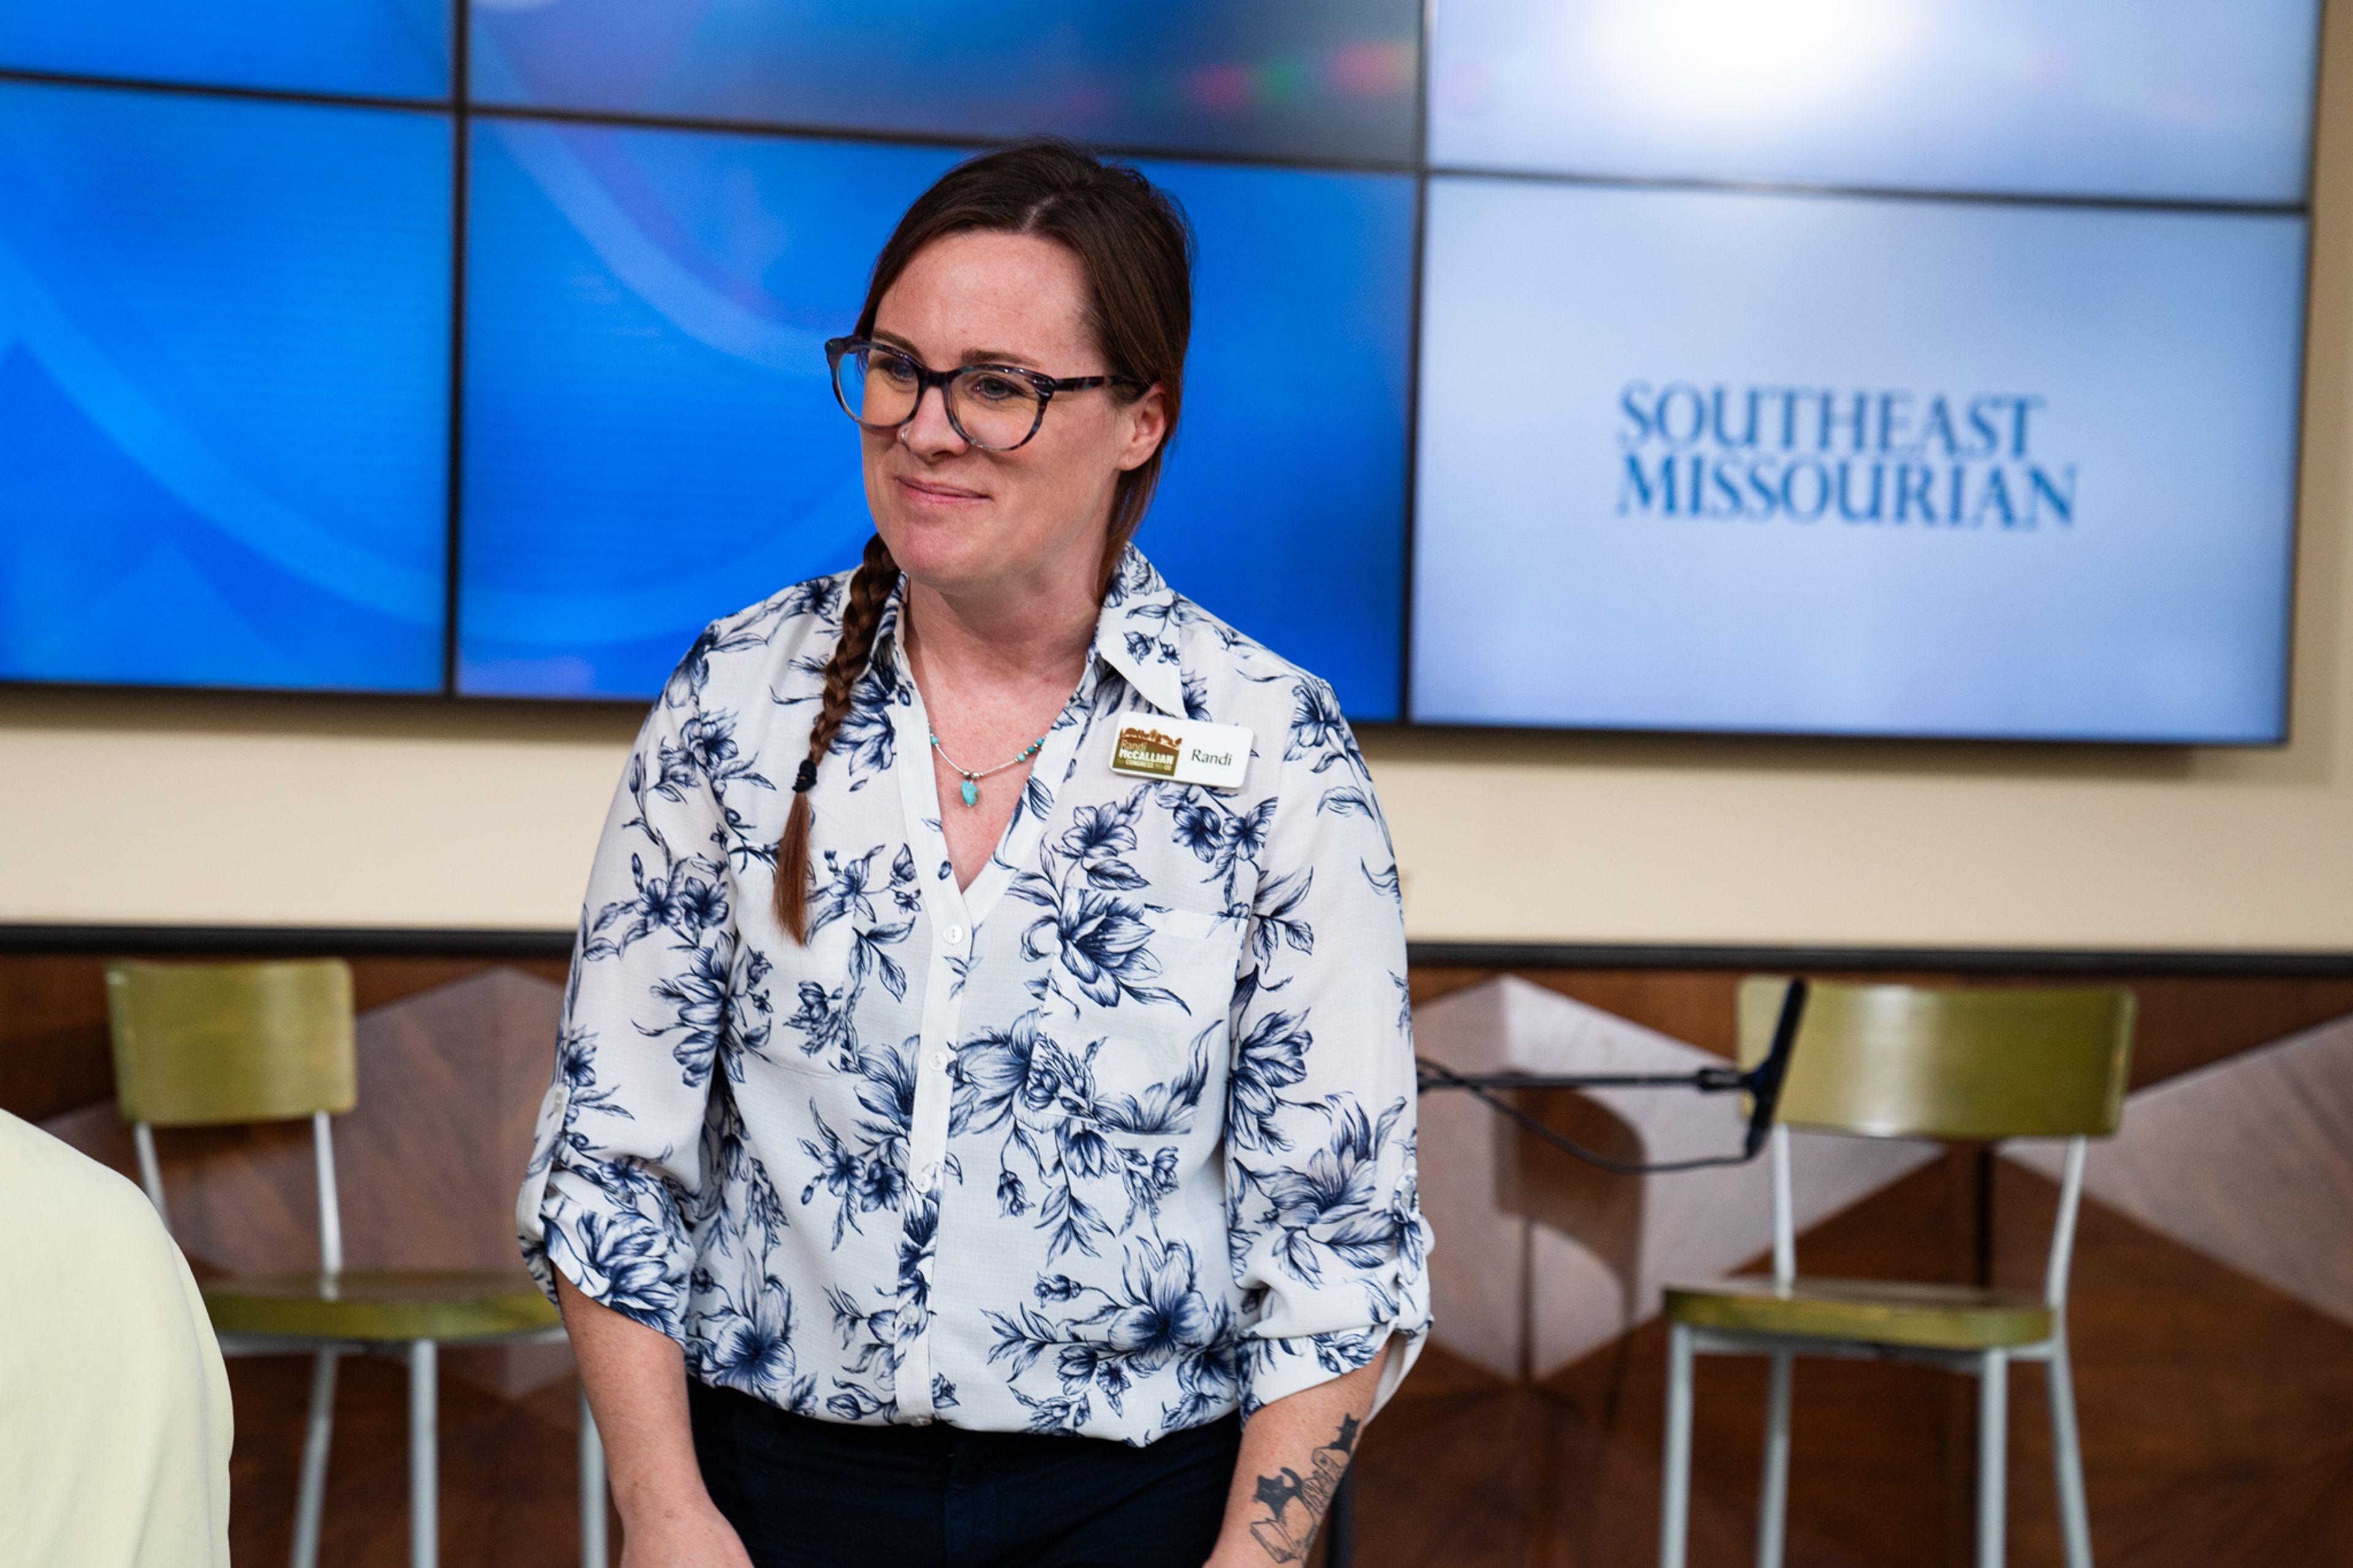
[(616, 1170), (1327, 1239)]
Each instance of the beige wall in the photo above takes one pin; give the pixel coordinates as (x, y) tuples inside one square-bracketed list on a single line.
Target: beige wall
[(252, 811)]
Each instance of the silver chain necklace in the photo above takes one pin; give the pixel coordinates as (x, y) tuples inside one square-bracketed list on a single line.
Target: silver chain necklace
[(970, 788)]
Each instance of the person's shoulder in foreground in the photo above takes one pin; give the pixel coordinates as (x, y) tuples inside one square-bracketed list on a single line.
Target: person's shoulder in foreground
[(114, 1405)]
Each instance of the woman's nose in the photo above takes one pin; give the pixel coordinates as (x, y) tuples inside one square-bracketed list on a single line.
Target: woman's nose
[(929, 432)]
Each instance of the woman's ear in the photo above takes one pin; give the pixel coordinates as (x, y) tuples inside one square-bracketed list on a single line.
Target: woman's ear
[(1145, 421)]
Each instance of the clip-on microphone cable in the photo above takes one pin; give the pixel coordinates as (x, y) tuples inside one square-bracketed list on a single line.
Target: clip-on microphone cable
[(1761, 1083)]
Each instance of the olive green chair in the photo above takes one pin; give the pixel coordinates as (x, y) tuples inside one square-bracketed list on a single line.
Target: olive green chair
[(1897, 1061), (204, 1045)]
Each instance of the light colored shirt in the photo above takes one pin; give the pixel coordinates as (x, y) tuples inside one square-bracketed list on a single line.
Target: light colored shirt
[(114, 1405), (1114, 1140)]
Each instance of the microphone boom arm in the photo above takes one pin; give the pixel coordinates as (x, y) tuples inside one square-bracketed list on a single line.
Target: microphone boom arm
[(1762, 1083)]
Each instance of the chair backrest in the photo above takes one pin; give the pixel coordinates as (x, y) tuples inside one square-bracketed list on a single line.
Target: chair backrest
[(202, 1044), (1904, 1061)]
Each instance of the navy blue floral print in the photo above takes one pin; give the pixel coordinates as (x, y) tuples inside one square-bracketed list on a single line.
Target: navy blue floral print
[(1113, 1141)]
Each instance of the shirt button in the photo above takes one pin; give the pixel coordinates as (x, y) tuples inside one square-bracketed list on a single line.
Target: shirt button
[(955, 935), (919, 1420), (939, 1061), (930, 1175)]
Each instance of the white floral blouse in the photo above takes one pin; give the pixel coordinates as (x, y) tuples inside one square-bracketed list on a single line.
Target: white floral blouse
[(1114, 1140)]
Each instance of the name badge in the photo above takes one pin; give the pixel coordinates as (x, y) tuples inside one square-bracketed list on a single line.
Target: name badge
[(1185, 750)]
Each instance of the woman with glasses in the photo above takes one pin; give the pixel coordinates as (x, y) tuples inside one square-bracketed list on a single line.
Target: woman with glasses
[(983, 1124)]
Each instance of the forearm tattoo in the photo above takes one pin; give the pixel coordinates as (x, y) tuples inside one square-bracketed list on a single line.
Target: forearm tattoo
[(1295, 1504)]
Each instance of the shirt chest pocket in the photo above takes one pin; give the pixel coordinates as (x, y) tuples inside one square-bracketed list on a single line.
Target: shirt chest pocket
[(811, 1026), (1148, 1019)]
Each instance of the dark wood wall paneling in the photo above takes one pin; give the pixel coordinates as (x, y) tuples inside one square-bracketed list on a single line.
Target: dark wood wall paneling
[(2216, 1411), (2186, 1021), (54, 1055)]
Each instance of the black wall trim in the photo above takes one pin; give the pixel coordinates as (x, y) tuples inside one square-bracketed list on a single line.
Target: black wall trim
[(2056, 962), (399, 943), (288, 942)]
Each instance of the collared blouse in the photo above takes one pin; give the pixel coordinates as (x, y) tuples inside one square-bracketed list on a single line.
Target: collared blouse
[(1114, 1140)]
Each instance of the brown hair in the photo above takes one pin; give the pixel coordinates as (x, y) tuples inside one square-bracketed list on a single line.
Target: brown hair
[(1135, 249)]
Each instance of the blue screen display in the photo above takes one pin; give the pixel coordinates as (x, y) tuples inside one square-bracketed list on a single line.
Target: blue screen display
[(2165, 99), (650, 440), (386, 48), (224, 380), (1847, 465), (1306, 79), (1468, 272), (1283, 506)]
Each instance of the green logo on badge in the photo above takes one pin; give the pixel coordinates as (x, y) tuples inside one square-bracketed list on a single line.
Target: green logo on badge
[(1145, 752)]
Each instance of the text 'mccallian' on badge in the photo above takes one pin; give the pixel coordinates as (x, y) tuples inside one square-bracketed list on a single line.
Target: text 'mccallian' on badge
[(1186, 751)]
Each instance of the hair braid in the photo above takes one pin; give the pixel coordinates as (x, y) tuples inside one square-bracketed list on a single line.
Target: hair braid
[(870, 589)]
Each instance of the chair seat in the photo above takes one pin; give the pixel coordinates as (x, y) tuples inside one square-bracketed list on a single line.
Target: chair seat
[(379, 1304), (1869, 1311)]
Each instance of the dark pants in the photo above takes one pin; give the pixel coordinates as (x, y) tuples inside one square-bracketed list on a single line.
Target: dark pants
[(805, 1493)]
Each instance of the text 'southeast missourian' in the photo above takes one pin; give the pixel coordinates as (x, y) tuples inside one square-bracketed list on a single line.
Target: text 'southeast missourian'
[(1810, 454)]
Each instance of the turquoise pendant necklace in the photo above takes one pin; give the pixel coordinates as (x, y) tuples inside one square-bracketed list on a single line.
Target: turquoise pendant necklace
[(970, 788)]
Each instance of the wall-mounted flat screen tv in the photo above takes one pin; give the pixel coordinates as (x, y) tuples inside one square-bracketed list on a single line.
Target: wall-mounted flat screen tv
[(1721, 460), (224, 391), (1857, 367)]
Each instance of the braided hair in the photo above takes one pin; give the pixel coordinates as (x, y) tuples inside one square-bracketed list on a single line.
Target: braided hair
[(869, 590)]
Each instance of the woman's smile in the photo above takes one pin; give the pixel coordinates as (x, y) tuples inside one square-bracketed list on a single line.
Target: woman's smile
[(936, 493)]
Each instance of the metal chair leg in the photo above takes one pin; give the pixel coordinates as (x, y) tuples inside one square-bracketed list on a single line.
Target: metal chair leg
[(424, 1456), (1773, 1496), (2067, 1455), (1675, 1486), (318, 1435), (592, 1488), (1994, 1455)]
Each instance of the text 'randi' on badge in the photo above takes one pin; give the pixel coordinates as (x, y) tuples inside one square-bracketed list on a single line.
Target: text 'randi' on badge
[(1185, 750)]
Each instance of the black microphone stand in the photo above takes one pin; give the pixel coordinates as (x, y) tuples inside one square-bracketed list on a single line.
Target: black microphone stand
[(1762, 1084)]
